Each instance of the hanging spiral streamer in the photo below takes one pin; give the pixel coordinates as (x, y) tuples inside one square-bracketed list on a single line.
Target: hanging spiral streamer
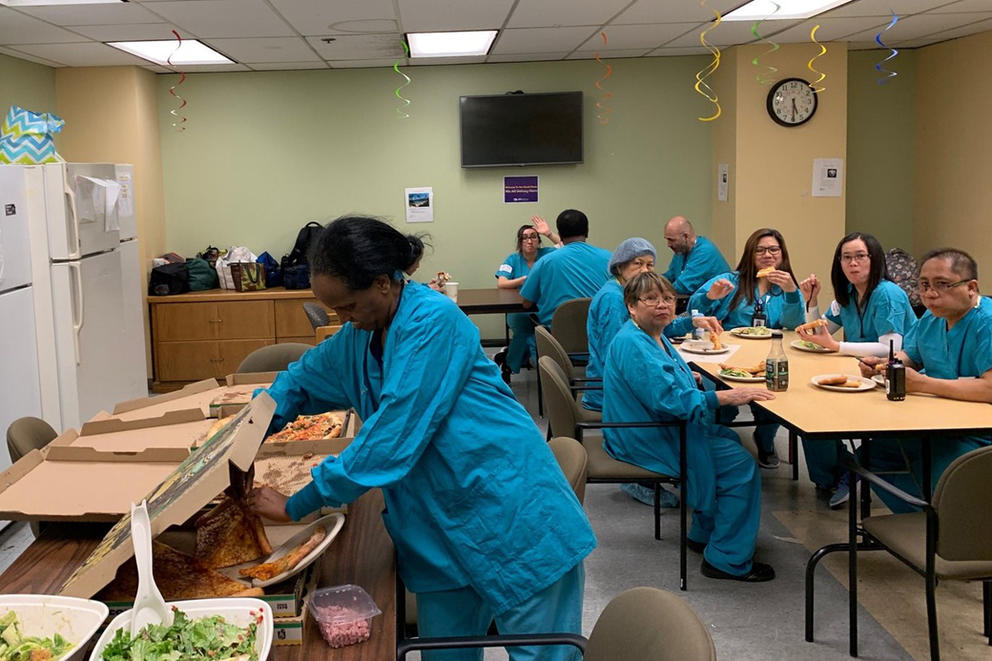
[(405, 102), (809, 65), (887, 74), (602, 110), (180, 119), (701, 87), (766, 77)]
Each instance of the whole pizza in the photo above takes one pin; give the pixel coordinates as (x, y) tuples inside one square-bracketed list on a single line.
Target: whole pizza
[(311, 428)]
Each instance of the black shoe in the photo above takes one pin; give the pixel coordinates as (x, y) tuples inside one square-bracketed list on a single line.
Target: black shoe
[(695, 546), (504, 369), (759, 573), (768, 459)]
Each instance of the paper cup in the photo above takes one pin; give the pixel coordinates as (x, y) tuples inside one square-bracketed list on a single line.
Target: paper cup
[(451, 290)]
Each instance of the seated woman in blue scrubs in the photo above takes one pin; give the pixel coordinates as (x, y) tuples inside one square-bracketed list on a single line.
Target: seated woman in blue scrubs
[(645, 379), (948, 354), (511, 274), (469, 482), (777, 292), (873, 311)]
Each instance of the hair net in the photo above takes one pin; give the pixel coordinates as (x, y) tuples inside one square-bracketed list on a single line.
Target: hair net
[(631, 249)]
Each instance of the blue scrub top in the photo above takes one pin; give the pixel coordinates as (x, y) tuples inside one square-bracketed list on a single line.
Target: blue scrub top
[(782, 309), (888, 311), (962, 351), (576, 270), (607, 314), (515, 266), (645, 381), (469, 482), (687, 272)]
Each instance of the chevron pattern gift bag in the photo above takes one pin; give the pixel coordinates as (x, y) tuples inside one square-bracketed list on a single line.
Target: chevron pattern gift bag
[(26, 137)]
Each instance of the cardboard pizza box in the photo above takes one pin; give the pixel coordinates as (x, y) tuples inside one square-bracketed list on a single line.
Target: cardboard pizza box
[(349, 429), (200, 395), (176, 429), (179, 494)]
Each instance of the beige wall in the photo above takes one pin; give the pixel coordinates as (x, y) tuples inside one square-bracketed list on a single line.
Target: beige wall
[(952, 203), (724, 136), (28, 85)]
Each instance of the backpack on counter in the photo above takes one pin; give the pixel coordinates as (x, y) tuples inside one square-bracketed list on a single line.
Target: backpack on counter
[(273, 274), (168, 279), (201, 274), (295, 269)]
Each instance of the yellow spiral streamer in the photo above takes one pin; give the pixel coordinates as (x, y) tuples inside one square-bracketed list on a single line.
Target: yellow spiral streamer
[(701, 87), (809, 65)]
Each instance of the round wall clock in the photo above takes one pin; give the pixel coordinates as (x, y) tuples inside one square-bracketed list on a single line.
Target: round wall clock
[(791, 102)]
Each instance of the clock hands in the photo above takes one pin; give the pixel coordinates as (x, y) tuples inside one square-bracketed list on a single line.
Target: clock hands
[(793, 109)]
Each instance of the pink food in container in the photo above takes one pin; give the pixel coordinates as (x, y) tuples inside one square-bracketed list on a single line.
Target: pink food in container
[(344, 614)]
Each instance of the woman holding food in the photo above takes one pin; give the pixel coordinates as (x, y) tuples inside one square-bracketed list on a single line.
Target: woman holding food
[(873, 311), (763, 277), (646, 379), (468, 481), (511, 274)]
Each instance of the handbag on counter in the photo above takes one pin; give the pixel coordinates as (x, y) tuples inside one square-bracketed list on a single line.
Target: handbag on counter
[(248, 276), (172, 278), (273, 274)]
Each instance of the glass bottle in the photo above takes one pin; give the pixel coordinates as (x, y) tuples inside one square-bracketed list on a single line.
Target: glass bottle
[(758, 318), (895, 377), (777, 365)]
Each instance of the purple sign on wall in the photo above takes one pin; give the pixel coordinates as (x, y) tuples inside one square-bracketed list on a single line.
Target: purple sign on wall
[(520, 189)]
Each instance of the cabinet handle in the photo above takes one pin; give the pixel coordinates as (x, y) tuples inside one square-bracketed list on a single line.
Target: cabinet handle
[(215, 321), (216, 360)]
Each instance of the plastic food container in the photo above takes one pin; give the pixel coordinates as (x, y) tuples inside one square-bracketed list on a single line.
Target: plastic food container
[(44, 615), (344, 614)]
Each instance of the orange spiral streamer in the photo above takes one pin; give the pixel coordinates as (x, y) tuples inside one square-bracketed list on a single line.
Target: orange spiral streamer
[(178, 119), (602, 110)]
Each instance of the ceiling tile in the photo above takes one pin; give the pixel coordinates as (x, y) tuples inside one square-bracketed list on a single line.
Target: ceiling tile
[(540, 40), (727, 33), (30, 58), (440, 15), (556, 13), (287, 66), (963, 6), (132, 32), (831, 29), (314, 17), (666, 52), (607, 55), (637, 36), (359, 47), (365, 64), (884, 7), (102, 14), (224, 18), (88, 54), (667, 11), (422, 61), (924, 25), (954, 33), (265, 49), (527, 57), (16, 28)]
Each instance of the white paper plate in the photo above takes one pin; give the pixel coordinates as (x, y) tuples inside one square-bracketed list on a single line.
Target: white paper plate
[(879, 379), (44, 615), (236, 610), (695, 348), (741, 379), (798, 344), (740, 332), (332, 523), (866, 384)]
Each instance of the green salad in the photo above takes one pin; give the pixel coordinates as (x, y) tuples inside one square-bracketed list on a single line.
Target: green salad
[(753, 330), (15, 646), (811, 345), (739, 373), (209, 638)]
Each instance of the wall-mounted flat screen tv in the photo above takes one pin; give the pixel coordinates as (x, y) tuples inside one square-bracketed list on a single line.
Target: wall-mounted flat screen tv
[(521, 129)]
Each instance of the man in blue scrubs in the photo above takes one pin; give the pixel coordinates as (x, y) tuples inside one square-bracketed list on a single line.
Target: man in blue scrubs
[(696, 258), (469, 483), (576, 270), (949, 354)]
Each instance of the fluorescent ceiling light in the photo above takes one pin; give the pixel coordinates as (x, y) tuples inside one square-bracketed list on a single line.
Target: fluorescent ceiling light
[(450, 44), (42, 3), (757, 10), (190, 51)]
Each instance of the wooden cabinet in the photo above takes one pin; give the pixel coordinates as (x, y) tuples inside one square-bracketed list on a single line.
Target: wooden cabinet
[(207, 334)]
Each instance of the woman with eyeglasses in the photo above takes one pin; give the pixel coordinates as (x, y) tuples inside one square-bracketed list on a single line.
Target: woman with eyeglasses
[(873, 311), (511, 274), (732, 298), (645, 379)]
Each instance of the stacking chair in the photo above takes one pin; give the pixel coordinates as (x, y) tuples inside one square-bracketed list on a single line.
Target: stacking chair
[(564, 419), (568, 325), (637, 625), (548, 345), (316, 314), (273, 358), (26, 434), (950, 539)]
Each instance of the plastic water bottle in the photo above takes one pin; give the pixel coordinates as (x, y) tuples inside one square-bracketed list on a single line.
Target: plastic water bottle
[(895, 377), (777, 365), (698, 333)]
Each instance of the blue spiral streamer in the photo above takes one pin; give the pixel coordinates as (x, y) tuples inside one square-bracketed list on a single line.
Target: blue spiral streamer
[(887, 74)]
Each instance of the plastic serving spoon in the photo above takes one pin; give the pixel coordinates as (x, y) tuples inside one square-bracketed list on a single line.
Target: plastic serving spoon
[(149, 606)]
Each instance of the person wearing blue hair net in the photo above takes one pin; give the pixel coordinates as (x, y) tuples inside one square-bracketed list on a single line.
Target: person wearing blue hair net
[(469, 483), (607, 313)]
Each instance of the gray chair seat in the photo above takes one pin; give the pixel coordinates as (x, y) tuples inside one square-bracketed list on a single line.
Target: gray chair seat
[(906, 536), (603, 466)]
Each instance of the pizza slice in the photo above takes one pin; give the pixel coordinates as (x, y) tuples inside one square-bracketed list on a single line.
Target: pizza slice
[(812, 325), (267, 570), (230, 534), (762, 273)]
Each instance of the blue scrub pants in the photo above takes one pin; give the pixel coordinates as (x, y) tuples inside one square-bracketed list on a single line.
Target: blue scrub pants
[(885, 455), (730, 530), (764, 428), (522, 343), (823, 461), (462, 612)]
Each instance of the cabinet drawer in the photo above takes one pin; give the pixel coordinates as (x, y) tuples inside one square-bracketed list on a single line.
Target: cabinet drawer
[(187, 361), (232, 352), (214, 321)]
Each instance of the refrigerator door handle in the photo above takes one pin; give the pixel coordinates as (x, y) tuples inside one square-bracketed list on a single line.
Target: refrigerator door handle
[(77, 305), (72, 223)]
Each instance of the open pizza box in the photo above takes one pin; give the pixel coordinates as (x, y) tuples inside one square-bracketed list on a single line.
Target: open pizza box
[(184, 429), (209, 396)]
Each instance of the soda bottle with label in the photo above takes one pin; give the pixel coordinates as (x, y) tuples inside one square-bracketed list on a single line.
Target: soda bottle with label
[(895, 377), (777, 365)]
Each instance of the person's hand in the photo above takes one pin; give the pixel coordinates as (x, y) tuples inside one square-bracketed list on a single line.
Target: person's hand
[(267, 502), (712, 324), (867, 365), (823, 339), (719, 289), (783, 279), (699, 379), (914, 380), (810, 288), (541, 226), (738, 396), (435, 285)]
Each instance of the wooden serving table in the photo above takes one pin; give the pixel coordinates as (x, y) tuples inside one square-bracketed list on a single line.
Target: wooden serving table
[(362, 554), (490, 301)]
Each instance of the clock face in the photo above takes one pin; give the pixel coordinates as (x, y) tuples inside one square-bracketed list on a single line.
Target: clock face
[(791, 102)]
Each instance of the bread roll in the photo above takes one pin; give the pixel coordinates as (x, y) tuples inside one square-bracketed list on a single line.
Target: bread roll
[(833, 380)]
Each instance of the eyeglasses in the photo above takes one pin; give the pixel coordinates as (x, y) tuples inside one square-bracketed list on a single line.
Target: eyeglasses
[(856, 257), (940, 286), (642, 263), (530, 237), (771, 250), (654, 301)]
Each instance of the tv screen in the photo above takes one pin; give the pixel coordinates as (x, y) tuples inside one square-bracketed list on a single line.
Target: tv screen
[(521, 129)]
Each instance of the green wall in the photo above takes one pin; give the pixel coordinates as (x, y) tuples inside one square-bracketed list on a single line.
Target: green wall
[(26, 84), (881, 132), (266, 152)]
